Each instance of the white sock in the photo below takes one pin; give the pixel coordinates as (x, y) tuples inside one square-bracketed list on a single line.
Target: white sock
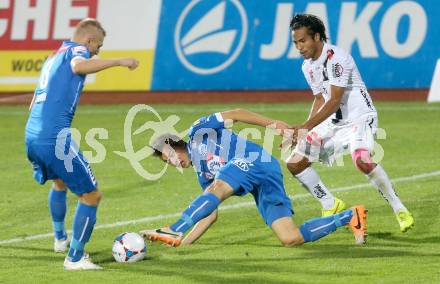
[(310, 180), (379, 178)]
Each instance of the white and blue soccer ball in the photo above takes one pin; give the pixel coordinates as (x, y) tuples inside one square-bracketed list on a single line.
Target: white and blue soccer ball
[(129, 247)]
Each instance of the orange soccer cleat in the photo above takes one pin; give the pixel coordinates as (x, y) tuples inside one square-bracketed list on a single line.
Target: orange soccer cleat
[(358, 224), (165, 235)]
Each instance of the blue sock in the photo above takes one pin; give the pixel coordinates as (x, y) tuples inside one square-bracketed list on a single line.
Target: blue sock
[(57, 208), (317, 228), (201, 207), (83, 223)]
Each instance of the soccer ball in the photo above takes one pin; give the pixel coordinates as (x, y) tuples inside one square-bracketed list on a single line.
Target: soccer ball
[(129, 247)]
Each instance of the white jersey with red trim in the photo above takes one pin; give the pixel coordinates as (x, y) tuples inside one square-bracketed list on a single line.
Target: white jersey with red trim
[(337, 67)]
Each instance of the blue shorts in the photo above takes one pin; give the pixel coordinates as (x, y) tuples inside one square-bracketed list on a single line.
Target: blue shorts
[(75, 172), (264, 181)]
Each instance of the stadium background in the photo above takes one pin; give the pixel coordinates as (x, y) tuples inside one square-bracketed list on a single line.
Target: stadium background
[(219, 51), (396, 46)]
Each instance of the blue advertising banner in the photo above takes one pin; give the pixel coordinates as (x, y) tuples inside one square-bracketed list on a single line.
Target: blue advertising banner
[(242, 45)]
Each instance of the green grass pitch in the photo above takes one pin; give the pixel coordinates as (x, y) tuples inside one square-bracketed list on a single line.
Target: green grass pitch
[(239, 247)]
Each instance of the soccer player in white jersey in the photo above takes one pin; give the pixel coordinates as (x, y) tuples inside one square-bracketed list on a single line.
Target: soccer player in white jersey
[(342, 118)]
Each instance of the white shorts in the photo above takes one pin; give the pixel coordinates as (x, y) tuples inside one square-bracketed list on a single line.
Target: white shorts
[(327, 141)]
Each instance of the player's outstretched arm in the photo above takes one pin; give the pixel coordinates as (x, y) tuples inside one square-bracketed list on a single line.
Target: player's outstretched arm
[(253, 118), (318, 102), (327, 109), (93, 65), (200, 228), (320, 111)]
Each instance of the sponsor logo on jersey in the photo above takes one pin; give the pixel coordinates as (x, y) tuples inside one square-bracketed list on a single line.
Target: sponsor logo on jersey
[(337, 70), (311, 75), (242, 164), (214, 163)]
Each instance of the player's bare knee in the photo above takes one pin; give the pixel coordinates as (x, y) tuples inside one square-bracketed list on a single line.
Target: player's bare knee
[(59, 185), (362, 166), (99, 196), (91, 198), (296, 167), (362, 161), (220, 189), (212, 218), (292, 240)]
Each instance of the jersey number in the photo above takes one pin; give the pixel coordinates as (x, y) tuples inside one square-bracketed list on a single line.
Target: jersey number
[(45, 73)]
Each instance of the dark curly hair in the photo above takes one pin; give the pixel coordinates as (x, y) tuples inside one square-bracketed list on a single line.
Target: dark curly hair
[(167, 139), (311, 22)]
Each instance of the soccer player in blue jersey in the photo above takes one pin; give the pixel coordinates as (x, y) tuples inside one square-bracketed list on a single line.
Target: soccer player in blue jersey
[(51, 112), (227, 165)]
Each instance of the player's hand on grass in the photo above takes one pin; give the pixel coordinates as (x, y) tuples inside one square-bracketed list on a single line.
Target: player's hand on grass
[(131, 63)]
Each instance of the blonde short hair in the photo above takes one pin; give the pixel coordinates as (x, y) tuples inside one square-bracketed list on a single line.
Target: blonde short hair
[(87, 25)]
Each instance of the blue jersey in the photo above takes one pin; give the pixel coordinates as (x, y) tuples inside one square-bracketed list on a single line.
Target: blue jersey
[(218, 153), (211, 146), (57, 94)]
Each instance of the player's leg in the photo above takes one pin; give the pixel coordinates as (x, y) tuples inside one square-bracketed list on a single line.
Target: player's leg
[(57, 208), (287, 232), (83, 223), (377, 177), (200, 228), (312, 230), (275, 207), (301, 169), (380, 180), (362, 145), (199, 208), (78, 177), (203, 205), (41, 156)]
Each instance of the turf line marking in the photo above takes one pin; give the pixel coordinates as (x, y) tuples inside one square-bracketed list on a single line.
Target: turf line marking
[(222, 208)]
